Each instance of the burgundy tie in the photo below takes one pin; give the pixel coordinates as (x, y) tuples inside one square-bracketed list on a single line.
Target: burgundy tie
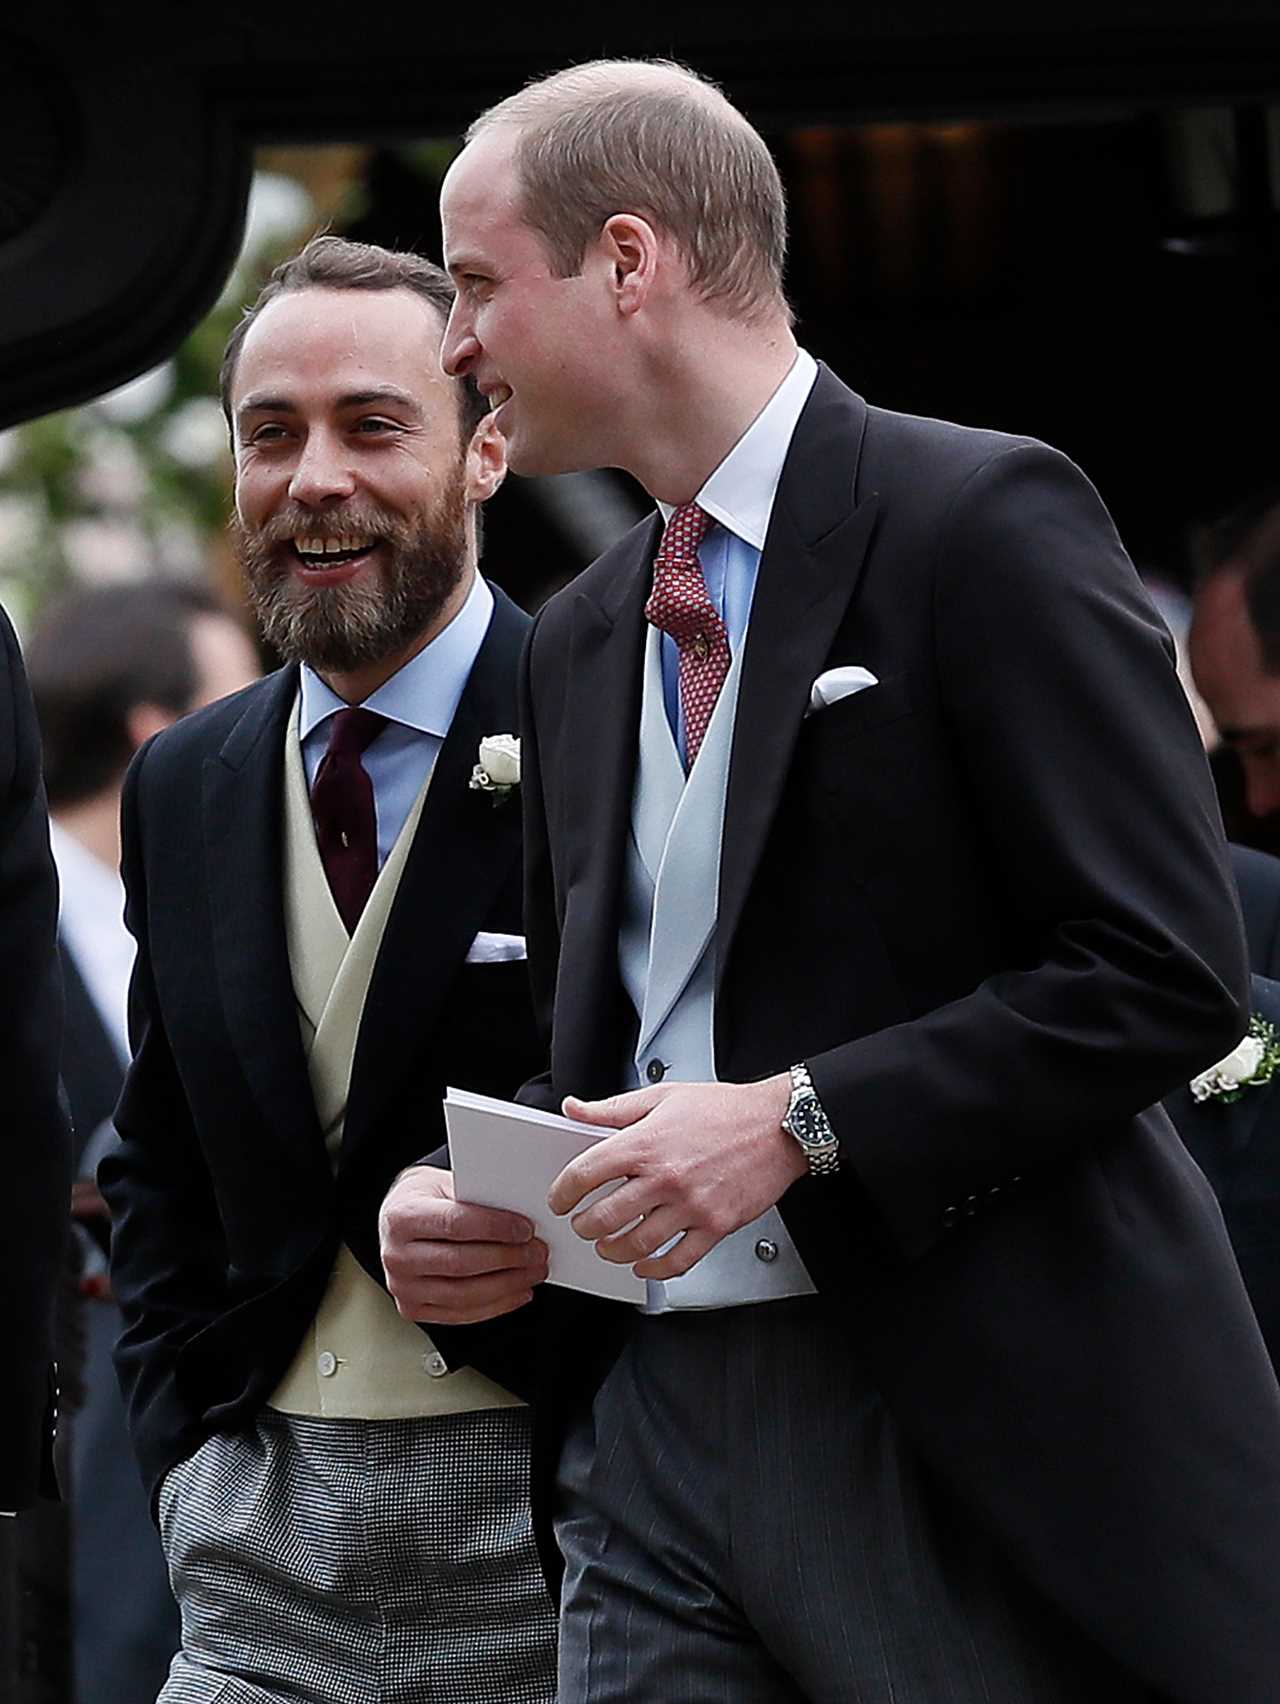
[(342, 806), (680, 606)]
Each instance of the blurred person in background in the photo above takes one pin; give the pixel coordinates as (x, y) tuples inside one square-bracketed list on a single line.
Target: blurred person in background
[(35, 1150), (109, 668), (328, 919), (1234, 643)]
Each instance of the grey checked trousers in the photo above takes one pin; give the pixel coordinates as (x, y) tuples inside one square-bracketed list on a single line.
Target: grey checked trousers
[(358, 1562)]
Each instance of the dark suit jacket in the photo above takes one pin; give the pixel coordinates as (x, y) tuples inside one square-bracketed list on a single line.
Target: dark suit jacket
[(1257, 877), (987, 900), (37, 1138), (1237, 1146), (227, 1215)]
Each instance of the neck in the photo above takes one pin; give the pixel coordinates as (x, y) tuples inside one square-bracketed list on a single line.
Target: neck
[(708, 385), (95, 824), (353, 686)]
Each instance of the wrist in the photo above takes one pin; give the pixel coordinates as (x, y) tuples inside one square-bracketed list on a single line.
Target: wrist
[(806, 1123)]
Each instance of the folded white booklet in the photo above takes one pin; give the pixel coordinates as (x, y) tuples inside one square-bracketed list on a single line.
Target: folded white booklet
[(504, 1155)]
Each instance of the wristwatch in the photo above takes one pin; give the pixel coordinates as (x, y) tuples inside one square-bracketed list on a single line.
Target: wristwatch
[(807, 1121)]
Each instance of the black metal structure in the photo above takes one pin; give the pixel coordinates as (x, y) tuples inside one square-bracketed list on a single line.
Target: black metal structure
[(127, 126)]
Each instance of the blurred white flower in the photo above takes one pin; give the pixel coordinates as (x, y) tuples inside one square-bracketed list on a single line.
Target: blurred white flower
[(111, 472), (106, 551), (140, 398), (180, 549), (23, 519), (279, 208), (9, 447), (196, 434)]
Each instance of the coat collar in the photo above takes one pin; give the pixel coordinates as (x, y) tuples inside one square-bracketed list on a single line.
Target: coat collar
[(810, 570), (464, 850), (243, 807)]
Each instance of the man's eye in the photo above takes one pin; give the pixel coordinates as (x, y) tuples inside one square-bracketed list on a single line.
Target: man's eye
[(266, 434), (374, 424)]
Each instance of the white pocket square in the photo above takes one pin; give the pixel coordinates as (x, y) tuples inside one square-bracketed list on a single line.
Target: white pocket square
[(495, 949), (835, 684)]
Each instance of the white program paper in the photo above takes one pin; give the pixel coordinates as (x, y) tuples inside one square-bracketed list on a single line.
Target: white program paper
[(504, 1155)]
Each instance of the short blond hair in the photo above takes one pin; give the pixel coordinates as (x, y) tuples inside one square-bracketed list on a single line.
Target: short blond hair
[(653, 138)]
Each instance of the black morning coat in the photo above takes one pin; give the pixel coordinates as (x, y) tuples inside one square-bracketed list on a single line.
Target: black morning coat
[(988, 901), (36, 1151), (227, 1214)]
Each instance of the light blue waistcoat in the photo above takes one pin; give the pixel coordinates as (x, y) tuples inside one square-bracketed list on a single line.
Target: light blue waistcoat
[(667, 957)]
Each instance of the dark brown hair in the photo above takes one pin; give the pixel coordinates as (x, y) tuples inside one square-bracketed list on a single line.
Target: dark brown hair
[(97, 656), (333, 263), (1248, 538)]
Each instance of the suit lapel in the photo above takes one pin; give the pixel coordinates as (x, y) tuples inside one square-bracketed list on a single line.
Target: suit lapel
[(809, 571), (597, 765), (465, 849), (243, 808)]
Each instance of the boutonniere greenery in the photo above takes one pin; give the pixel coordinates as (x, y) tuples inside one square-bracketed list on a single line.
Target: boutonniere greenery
[(1252, 1062), (498, 771)]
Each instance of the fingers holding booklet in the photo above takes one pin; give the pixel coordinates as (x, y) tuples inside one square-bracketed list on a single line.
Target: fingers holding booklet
[(507, 1157), (451, 1263)]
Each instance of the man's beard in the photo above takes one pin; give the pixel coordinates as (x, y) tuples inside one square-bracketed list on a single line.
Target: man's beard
[(366, 620)]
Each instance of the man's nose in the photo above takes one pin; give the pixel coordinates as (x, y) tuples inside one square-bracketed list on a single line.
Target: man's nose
[(323, 472), (460, 347)]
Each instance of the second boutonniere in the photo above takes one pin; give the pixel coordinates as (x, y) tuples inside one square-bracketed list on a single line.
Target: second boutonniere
[(1253, 1061), (498, 771)]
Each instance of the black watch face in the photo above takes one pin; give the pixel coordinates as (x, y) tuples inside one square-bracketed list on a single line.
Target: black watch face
[(808, 1124)]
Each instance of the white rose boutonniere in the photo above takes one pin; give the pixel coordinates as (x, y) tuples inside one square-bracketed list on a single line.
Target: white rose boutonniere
[(498, 771), (1252, 1062)]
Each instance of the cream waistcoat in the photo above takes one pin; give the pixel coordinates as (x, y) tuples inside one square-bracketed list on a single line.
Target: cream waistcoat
[(359, 1359)]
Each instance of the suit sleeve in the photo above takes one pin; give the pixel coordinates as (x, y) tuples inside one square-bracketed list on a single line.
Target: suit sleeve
[(37, 1138), (168, 1252), (1127, 968)]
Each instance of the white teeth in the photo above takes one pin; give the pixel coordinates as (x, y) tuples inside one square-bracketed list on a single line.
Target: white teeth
[(331, 546), (498, 395)]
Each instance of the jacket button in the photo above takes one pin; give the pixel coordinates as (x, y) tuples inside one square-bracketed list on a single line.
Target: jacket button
[(993, 1194), (971, 1206), (766, 1251), (435, 1364), (950, 1217), (655, 1070), (326, 1364)]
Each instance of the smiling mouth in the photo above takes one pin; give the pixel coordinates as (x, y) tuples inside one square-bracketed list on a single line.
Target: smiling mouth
[(322, 555)]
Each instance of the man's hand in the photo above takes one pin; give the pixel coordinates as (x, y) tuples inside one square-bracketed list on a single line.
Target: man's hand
[(449, 1263), (700, 1160)]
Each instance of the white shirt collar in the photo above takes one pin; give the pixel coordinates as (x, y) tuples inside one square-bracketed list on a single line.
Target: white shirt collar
[(424, 693), (740, 493)]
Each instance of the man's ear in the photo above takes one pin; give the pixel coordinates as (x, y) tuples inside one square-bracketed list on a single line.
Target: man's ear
[(630, 246), (144, 720), (486, 461)]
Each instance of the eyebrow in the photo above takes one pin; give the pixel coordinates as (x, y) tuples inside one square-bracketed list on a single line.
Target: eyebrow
[(268, 404)]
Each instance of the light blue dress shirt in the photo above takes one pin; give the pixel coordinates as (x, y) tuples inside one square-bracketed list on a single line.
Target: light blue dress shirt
[(739, 497), (418, 701)]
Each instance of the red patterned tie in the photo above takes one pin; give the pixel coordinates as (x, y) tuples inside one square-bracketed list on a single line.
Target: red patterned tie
[(342, 806), (680, 606)]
